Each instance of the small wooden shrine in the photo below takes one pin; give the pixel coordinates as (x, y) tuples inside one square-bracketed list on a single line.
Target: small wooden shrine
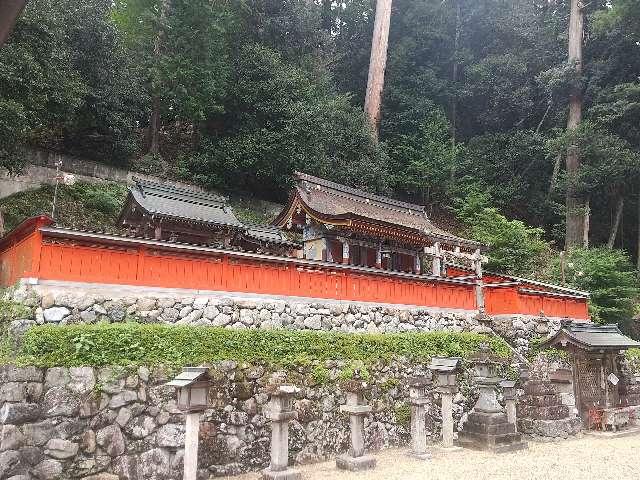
[(345, 225), (187, 215), (599, 382)]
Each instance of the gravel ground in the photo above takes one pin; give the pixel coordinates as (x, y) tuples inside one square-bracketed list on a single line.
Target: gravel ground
[(585, 458)]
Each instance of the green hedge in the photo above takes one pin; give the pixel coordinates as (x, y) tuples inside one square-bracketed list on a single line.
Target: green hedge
[(136, 344)]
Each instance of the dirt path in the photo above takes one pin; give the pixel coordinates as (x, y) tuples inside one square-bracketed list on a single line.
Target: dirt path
[(587, 458)]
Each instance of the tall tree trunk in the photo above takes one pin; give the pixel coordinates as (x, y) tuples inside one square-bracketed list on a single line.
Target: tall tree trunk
[(327, 20), (454, 73), (1, 224), (154, 126), (155, 120), (638, 239), (616, 222), (377, 63), (10, 10), (576, 214)]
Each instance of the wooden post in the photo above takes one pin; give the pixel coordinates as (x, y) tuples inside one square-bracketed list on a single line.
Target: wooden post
[(576, 214), (479, 282), (377, 63), (192, 431), (436, 266), (345, 252)]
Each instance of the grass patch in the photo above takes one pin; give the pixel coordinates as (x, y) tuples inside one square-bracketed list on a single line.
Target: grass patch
[(152, 344), (93, 206), (10, 311)]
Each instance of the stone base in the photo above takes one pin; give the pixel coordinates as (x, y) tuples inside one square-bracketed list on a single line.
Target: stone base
[(355, 464), (490, 432), (419, 456), (564, 428), (623, 432), (444, 449), (288, 474)]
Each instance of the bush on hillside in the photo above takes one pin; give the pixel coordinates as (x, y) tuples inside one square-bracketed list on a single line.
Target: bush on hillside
[(610, 278), (149, 344), (514, 247)]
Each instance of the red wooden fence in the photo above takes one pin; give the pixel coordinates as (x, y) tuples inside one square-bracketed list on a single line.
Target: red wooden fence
[(57, 254)]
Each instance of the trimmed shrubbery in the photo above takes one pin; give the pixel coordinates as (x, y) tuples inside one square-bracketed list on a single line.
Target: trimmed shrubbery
[(151, 344)]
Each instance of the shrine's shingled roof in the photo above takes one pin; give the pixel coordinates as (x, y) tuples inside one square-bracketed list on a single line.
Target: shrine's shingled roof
[(196, 206), (183, 203), (334, 200), (590, 336)]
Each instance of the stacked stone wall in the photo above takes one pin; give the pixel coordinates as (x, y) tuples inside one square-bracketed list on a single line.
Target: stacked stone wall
[(122, 423), (77, 305)]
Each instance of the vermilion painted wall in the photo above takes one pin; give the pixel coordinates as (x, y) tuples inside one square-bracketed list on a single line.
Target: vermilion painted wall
[(100, 260)]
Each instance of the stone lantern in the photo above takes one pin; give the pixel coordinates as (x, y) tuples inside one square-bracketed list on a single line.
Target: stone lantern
[(192, 386), (356, 459), (446, 369), (419, 399), (280, 412), (487, 426), (509, 394)]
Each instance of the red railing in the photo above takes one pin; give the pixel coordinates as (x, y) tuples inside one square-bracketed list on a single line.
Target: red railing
[(35, 250)]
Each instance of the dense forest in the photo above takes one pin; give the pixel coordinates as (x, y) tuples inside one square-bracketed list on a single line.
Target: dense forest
[(237, 94)]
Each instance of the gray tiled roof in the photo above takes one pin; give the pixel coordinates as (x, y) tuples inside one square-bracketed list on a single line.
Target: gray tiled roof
[(340, 201), (267, 233), (183, 203), (592, 336)]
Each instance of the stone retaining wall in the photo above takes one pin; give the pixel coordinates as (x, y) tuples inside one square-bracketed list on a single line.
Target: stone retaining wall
[(78, 305), (121, 423)]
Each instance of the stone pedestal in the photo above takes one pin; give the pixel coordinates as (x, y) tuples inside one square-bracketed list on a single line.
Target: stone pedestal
[(418, 398), (280, 413), (356, 459), (510, 397), (446, 369), (487, 427)]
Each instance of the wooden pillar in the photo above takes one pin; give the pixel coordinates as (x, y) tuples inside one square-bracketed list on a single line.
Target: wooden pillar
[(436, 266), (379, 257), (417, 265), (191, 445), (479, 282), (345, 252), (377, 63)]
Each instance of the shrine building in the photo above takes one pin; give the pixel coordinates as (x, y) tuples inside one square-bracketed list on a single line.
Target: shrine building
[(345, 225), (329, 242), (186, 215)]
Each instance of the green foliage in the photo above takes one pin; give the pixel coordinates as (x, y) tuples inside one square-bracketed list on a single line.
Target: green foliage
[(320, 375), (513, 246), (535, 349), (610, 278), (10, 311), (82, 205), (402, 412), (423, 162), (136, 344), (389, 384), (356, 366), (285, 120)]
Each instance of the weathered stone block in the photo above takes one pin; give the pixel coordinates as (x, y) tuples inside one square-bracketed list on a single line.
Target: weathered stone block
[(19, 413), (11, 438), (38, 434), (58, 401), (170, 435), (61, 449), (47, 470), (9, 463), (55, 314), (355, 464), (111, 440)]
